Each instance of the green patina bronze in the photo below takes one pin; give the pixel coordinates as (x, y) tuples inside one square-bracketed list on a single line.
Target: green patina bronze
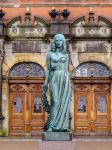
[(58, 82)]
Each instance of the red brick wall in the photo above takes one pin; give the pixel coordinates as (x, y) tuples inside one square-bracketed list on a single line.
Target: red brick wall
[(57, 1), (77, 8)]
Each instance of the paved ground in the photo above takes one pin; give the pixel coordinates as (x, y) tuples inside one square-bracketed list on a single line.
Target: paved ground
[(32, 144), (93, 145)]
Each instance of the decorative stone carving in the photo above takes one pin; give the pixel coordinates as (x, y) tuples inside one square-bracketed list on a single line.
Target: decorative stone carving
[(85, 31), (92, 46), (99, 27), (28, 46), (19, 30)]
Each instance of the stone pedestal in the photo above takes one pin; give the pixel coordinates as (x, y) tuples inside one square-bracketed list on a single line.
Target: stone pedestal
[(57, 145), (57, 136)]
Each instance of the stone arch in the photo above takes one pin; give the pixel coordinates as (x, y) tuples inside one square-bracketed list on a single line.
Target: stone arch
[(105, 19), (18, 58), (40, 19), (96, 57), (14, 28), (99, 17), (77, 20), (18, 18), (91, 69), (13, 20), (26, 69)]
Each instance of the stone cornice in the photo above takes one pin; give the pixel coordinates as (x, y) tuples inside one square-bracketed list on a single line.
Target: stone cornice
[(56, 5)]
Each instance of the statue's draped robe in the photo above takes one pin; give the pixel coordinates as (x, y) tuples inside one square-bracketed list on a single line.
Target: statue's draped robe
[(60, 93)]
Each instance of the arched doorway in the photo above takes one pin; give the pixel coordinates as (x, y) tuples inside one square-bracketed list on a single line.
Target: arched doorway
[(26, 116), (91, 99)]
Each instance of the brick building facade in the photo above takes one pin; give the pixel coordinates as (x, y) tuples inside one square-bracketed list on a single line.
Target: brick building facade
[(26, 31)]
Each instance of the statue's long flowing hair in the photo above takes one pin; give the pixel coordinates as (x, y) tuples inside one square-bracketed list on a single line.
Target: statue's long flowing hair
[(53, 44)]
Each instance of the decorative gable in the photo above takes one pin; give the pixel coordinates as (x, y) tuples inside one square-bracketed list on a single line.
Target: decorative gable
[(91, 26), (27, 28)]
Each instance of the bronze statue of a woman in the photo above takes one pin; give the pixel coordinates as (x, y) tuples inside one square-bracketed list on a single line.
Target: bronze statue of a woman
[(58, 82)]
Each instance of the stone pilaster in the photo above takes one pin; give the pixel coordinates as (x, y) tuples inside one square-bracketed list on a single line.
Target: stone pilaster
[(1, 116), (1, 60)]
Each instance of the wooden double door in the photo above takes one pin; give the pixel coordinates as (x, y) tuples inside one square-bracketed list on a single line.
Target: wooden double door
[(92, 106), (26, 116)]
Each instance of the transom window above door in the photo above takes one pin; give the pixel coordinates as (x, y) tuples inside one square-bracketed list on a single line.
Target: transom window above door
[(26, 69), (91, 69)]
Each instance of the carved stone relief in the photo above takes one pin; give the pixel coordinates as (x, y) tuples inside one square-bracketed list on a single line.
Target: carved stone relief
[(22, 30), (28, 46), (103, 31), (99, 29), (92, 46)]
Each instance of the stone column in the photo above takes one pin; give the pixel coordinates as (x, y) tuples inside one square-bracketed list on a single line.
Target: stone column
[(1, 116), (1, 60)]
